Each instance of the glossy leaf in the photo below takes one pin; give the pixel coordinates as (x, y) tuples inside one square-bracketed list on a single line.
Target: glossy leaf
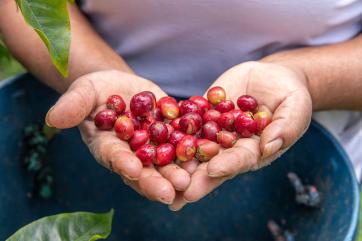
[(79, 226), (50, 19)]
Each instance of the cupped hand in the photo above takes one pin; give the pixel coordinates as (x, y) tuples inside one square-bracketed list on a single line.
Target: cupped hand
[(78, 107), (279, 89)]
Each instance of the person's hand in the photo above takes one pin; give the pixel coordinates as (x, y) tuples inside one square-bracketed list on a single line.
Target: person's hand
[(278, 89), (79, 105)]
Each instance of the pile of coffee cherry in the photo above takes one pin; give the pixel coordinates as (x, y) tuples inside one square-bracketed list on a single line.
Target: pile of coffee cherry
[(159, 132)]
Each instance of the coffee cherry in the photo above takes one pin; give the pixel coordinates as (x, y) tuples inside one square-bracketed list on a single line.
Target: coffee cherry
[(186, 148), (245, 125), (206, 149), (158, 132), (226, 139), (190, 123), (211, 115), (169, 107), (105, 119), (209, 130), (165, 154), (225, 106), (175, 137), (142, 103), (216, 94), (188, 106), (151, 95), (139, 138), (147, 154), (170, 111), (247, 103), (124, 128), (262, 119), (226, 121), (201, 102), (116, 103)]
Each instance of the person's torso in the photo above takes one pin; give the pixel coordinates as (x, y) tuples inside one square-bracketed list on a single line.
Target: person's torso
[(185, 45)]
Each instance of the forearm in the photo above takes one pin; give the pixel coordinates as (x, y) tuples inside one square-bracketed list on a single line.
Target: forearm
[(88, 52), (334, 73)]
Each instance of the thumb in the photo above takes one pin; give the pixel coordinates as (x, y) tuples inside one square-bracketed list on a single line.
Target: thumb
[(73, 106), (290, 120)]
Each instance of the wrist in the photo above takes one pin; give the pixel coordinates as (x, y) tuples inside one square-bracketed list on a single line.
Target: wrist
[(296, 64)]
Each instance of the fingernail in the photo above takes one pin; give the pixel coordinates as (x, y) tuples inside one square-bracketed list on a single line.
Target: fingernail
[(47, 117), (128, 177), (272, 147), (216, 174), (162, 200), (188, 201), (174, 209)]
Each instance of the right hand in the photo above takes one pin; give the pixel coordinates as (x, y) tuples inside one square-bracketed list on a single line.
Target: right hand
[(78, 107)]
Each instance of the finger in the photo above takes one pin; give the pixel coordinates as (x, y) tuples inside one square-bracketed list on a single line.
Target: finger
[(114, 154), (178, 203), (153, 186), (290, 120), (201, 184), (73, 106), (242, 157), (179, 178), (190, 166), (156, 187)]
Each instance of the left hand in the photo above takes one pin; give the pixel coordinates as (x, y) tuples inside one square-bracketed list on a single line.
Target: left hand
[(279, 89)]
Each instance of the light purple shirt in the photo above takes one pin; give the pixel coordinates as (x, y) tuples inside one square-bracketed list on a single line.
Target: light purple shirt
[(185, 45)]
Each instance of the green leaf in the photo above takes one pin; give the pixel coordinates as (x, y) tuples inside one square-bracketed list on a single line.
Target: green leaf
[(4, 53), (8, 65), (79, 226), (50, 19)]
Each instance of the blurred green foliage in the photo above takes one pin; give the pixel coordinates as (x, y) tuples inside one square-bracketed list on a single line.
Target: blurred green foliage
[(8, 65), (359, 236)]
